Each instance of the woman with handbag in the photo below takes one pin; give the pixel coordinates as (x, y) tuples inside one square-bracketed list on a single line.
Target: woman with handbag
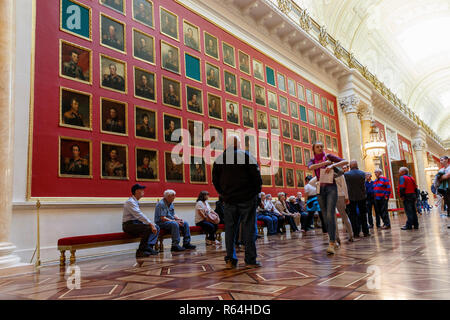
[(206, 218), (323, 166)]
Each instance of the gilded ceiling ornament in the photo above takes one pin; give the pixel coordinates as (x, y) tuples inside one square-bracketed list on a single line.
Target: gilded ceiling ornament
[(285, 6), (351, 60), (338, 50), (323, 36), (305, 20)]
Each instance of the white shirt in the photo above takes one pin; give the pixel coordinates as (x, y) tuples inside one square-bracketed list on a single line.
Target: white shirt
[(205, 207), (270, 207), (132, 211), (311, 187)]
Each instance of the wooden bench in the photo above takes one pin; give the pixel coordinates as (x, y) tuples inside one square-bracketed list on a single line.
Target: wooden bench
[(73, 244)]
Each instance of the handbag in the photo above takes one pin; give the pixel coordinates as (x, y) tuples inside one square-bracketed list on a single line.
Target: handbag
[(213, 217), (338, 172)]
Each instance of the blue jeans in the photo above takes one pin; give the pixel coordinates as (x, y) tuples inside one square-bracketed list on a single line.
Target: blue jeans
[(209, 228), (410, 210), (327, 201), (270, 221), (174, 229), (234, 214)]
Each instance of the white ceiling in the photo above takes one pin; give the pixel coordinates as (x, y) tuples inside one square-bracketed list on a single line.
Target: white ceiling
[(404, 42)]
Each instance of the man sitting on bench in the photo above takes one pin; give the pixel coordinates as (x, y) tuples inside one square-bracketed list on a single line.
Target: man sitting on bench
[(135, 223), (166, 218)]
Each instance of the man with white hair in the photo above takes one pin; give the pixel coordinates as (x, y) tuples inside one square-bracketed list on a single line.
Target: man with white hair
[(166, 218), (237, 179), (407, 189)]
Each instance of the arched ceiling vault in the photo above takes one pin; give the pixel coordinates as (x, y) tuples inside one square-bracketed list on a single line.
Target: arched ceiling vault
[(406, 39)]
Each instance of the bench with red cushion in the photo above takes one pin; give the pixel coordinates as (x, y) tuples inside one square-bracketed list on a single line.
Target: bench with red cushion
[(399, 210), (73, 244)]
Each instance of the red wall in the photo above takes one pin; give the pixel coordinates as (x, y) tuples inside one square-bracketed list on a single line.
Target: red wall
[(45, 181)]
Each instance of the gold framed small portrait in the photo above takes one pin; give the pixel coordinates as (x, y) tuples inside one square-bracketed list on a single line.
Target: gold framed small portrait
[(328, 143), (307, 154), (266, 175), (301, 92), (296, 132), (114, 161), (331, 108), (116, 5), (173, 168), (335, 145), (309, 97), (264, 148), (284, 109), (272, 100), (298, 155), (232, 109), (113, 117), (281, 82), (290, 182), (216, 138), (145, 123), (260, 95), (305, 135), (277, 154), (147, 168), (144, 84), (294, 109), (326, 123), (171, 92), (244, 62), (279, 178), (212, 75), (246, 89), (286, 128), (312, 117), (250, 144), (75, 158), (287, 151), (313, 136), (195, 129), (211, 45), (75, 62), (172, 128), (170, 57), (321, 138), (194, 97), (75, 109), (248, 117), (319, 120), (143, 46), (292, 88), (324, 104), (143, 12), (197, 172), (214, 106), (317, 100), (113, 33), (230, 82), (300, 175), (228, 53), (113, 74), (275, 125), (258, 70), (168, 23), (191, 35), (333, 125), (262, 120)]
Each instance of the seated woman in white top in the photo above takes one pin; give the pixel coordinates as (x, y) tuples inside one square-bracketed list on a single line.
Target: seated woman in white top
[(206, 218)]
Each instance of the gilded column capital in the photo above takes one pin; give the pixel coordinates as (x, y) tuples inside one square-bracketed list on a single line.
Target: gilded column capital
[(366, 113), (350, 104)]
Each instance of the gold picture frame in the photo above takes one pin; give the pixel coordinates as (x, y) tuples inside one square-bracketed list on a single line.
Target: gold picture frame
[(61, 112), (164, 30), (127, 167), (61, 62), (124, 39), (125, 112), (74, 140), (136, 114), (156, 158)]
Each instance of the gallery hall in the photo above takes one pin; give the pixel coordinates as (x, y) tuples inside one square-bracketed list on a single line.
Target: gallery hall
[(247, 150)]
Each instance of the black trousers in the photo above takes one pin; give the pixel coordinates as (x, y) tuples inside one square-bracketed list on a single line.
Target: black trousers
[(136, 228), (381, 211), (358, 222), (410, 210), (447, 201), (370, 204)]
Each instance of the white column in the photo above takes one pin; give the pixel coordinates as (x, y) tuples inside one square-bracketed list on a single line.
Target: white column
[(7, 64), (420, 147), (366, 115), (349, 106)]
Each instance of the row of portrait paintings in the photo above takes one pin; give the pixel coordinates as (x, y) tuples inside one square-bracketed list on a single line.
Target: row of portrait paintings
[(76, 112), (75, 64), (76, 162)]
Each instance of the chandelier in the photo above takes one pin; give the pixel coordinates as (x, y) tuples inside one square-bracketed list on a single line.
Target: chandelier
[(375, 147)]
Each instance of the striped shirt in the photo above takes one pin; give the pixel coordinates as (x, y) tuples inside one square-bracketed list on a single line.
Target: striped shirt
[(382, 188)]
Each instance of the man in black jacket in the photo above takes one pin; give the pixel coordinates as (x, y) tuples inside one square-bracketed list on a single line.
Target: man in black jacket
[(355, 180), (237, 179)]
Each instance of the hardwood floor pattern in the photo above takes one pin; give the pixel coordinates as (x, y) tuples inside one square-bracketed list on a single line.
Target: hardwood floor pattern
[(411, 264)]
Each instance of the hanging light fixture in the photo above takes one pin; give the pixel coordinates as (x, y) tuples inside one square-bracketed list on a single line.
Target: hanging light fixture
[(375, 147)]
